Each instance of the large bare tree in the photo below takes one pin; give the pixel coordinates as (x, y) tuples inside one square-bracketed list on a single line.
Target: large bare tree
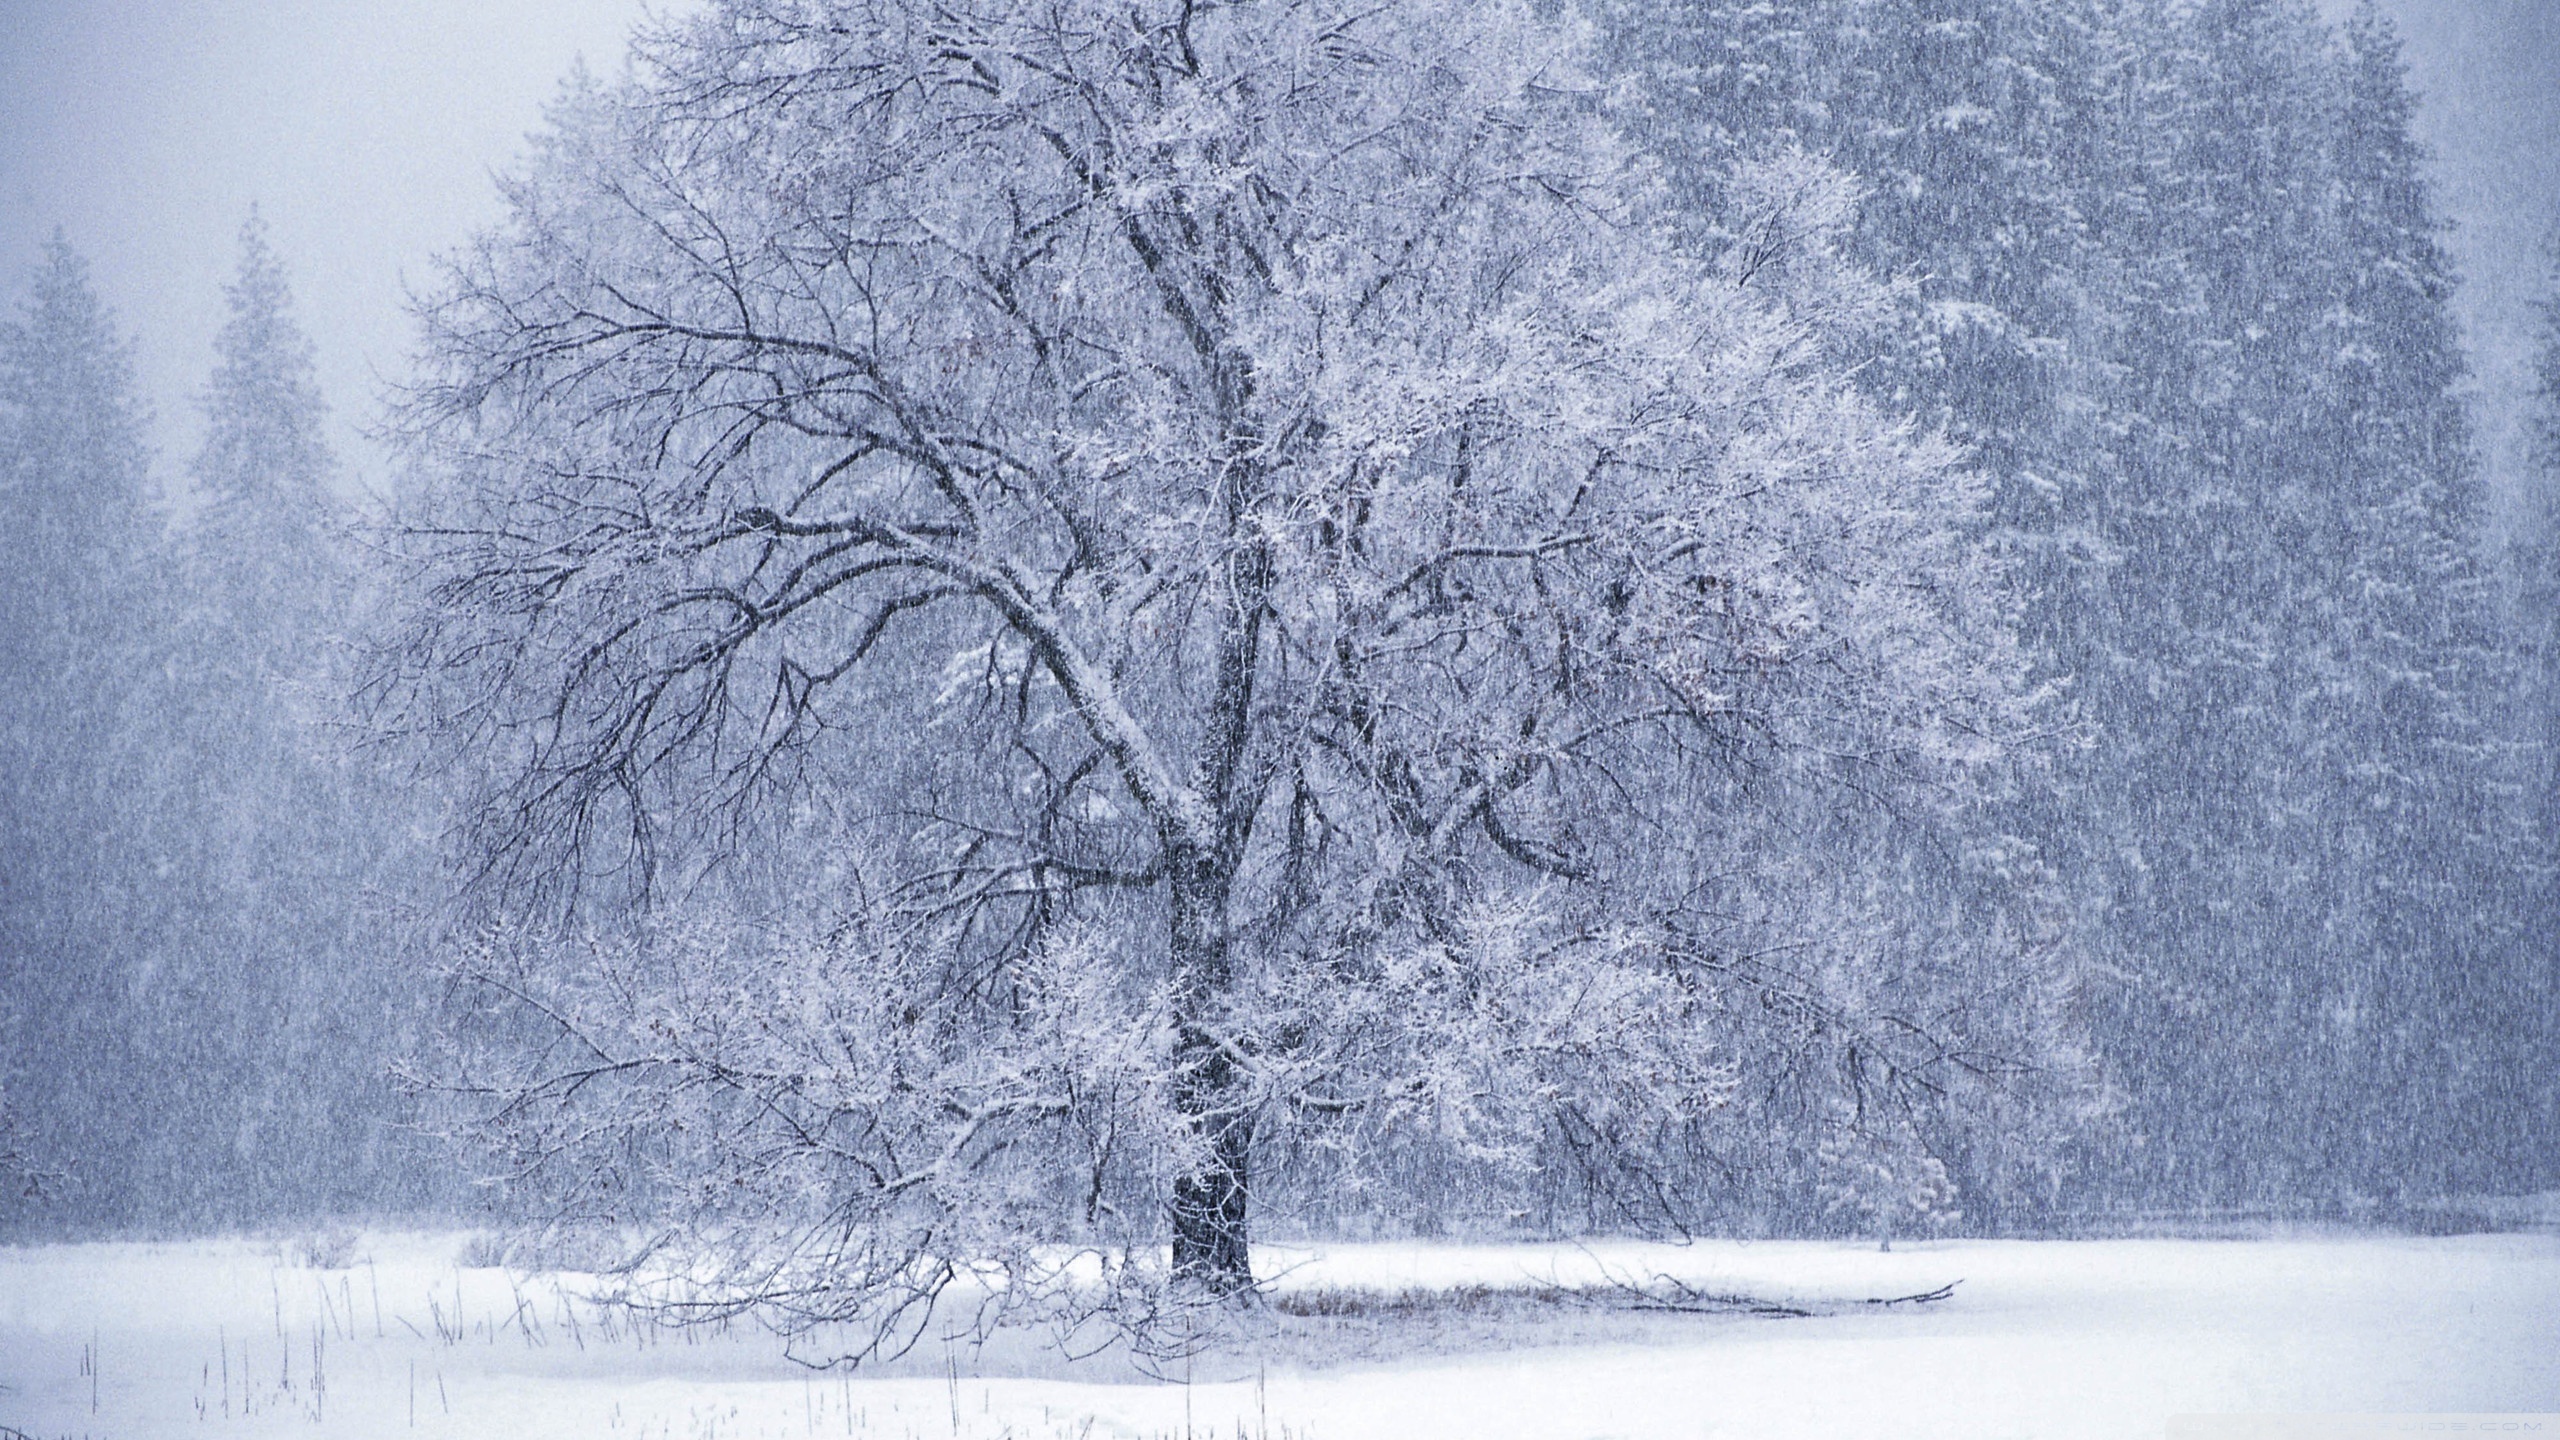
[(1256, 517)]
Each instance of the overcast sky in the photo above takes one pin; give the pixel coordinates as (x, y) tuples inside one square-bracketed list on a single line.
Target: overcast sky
[(367, 130), (2488, 76)]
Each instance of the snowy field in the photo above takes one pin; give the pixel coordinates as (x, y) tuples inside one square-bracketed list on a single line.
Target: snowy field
[(2041, 1339)]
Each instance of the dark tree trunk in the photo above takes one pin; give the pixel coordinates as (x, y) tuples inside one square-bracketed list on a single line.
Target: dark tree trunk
[(1211, 1243)]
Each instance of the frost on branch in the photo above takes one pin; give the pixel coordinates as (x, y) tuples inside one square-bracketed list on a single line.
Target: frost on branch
[(1307, 602), (832, 1131)]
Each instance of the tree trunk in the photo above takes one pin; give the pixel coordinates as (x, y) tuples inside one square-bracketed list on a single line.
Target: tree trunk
[(1210, 1240), (1211, 1245)]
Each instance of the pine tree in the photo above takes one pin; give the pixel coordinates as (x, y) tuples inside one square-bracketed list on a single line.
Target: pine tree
[(2539, 567), (275, 977), (202, 994), (264, 547), (2537, 732), (2172, 277), (2196, 796), (81, 529), (2419, 984)]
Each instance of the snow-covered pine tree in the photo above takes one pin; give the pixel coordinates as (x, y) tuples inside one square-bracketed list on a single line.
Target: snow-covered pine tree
[(80, 528), (2322, 872), (2226, 540), (2424, 938), (2537, 730), (2138, 237), (273, 998), (1977, 133), (262, 544)]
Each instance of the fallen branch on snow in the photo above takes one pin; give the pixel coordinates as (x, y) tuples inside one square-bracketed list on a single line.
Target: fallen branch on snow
[(1925, 1297)]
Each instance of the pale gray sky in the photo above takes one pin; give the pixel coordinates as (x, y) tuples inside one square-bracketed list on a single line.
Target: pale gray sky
[(367, 130), (2488, 73)]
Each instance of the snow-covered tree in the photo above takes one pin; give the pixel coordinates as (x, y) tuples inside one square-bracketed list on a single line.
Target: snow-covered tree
[(2537, 558), (1880, 1175), (2540, 567), (2304, 666), (261, 543), (2176, 281), (1246, 535), (201, 992), (75, 487), (276, 995), (1989, 142), (2425, 922)]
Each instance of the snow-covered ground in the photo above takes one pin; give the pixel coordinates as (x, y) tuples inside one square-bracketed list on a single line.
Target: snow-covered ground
[(2042, 1339)]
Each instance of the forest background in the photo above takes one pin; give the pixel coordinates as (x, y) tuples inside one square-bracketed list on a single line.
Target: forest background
[(2265, 929)]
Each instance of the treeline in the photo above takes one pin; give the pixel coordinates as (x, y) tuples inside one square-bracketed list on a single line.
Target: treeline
[(2170, 271), (203, 887), (2175, 275)]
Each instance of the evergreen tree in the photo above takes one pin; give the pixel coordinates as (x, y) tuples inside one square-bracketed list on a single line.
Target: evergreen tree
[(264, 550), (2537, 624), (2204, 825), (2307, 768), (278, 980), (2416, 770), (2540, 568), (200, 980), (2172, 276), (81, 526)]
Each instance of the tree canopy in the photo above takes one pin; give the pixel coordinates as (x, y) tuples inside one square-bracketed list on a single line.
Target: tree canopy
[(1299, 526)]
